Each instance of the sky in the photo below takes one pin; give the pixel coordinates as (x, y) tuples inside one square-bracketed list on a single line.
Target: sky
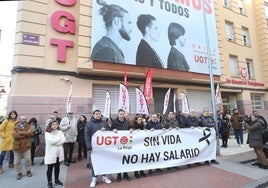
[(8, 16)]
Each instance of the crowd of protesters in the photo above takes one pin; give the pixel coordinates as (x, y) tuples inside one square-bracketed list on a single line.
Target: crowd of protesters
[(20, 137)]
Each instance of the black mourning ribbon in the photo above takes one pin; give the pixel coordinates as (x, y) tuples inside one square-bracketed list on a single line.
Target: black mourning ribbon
[(205, 135)]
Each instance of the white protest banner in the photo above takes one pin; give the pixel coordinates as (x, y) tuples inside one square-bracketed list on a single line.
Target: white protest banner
[(123, 102), (127, 151)]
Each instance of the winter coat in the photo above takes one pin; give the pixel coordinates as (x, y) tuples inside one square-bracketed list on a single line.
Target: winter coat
[(35, 138), (91, 127), (54, 149), (22, 138), (153, 125), (255, 139), (120, 125), (6, 129), (223, 126), (69, 133), (170, 123), (192, 121), (235, 121), (81, 131), (207, 121)]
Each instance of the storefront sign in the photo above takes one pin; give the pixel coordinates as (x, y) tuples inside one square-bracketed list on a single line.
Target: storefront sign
[(244, 82)]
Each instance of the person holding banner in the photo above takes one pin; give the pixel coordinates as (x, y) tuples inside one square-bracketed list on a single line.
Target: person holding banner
[(146, 55), (176, 59), (191, 120), (153, 124), (121, 123), (95, 123), (207, 121), (171, 122), (119, 26), (138, 124)]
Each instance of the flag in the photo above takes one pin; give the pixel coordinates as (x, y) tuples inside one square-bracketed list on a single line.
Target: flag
[(147, 91), (174, 102), (218, 95), (125, 76), (166, 101), (184, 104), (69, 100), (141, 104), (123, 102), (107, 107)]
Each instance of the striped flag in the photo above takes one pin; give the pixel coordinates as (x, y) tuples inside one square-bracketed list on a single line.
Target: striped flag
[(69, 100)]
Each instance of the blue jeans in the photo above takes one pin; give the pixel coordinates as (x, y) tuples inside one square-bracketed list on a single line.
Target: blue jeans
[(239, 136), (11, 157)]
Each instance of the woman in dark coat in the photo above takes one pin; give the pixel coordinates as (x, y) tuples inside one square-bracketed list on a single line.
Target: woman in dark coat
[(81, 138), (223, 129)]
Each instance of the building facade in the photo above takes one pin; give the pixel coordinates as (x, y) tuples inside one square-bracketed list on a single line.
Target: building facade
[(53, 49)]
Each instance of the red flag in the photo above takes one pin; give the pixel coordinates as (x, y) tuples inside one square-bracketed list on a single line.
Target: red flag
[(125, 76), (147, 91)]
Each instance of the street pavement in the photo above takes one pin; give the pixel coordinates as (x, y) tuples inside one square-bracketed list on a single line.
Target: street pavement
[(235, 170)]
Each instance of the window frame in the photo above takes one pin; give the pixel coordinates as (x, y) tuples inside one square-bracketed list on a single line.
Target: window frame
[(255, 101), (236, 72), (229, 27)]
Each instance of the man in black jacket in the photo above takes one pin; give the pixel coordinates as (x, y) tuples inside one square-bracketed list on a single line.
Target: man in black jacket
[(95, 123), (121, 123)]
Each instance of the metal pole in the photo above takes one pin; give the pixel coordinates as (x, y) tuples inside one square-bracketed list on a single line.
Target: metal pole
[(212, 88)]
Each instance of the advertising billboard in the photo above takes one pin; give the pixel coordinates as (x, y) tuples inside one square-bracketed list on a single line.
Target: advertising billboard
[(167, 34)]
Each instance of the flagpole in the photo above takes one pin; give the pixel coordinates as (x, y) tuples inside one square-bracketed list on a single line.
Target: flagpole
[(211, 79)]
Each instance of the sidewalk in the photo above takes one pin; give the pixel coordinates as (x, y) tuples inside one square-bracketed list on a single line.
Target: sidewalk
[(235, 170)]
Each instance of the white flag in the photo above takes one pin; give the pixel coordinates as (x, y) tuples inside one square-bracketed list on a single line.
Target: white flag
[(218, 95), (107, 107), (94, 107), (174, 102), (141, 104), (166, 101), (69, 100), (184, 104), (123, 102)]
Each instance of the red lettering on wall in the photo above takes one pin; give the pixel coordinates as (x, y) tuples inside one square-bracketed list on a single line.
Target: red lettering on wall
[(66, 2), (68, 24), (62, 46)]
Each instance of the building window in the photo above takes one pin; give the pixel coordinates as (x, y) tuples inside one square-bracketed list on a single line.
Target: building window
[(226, 3), (233, 65), (229, 31), (245, 36), (241, 7), (256, 101), (250, 68)]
